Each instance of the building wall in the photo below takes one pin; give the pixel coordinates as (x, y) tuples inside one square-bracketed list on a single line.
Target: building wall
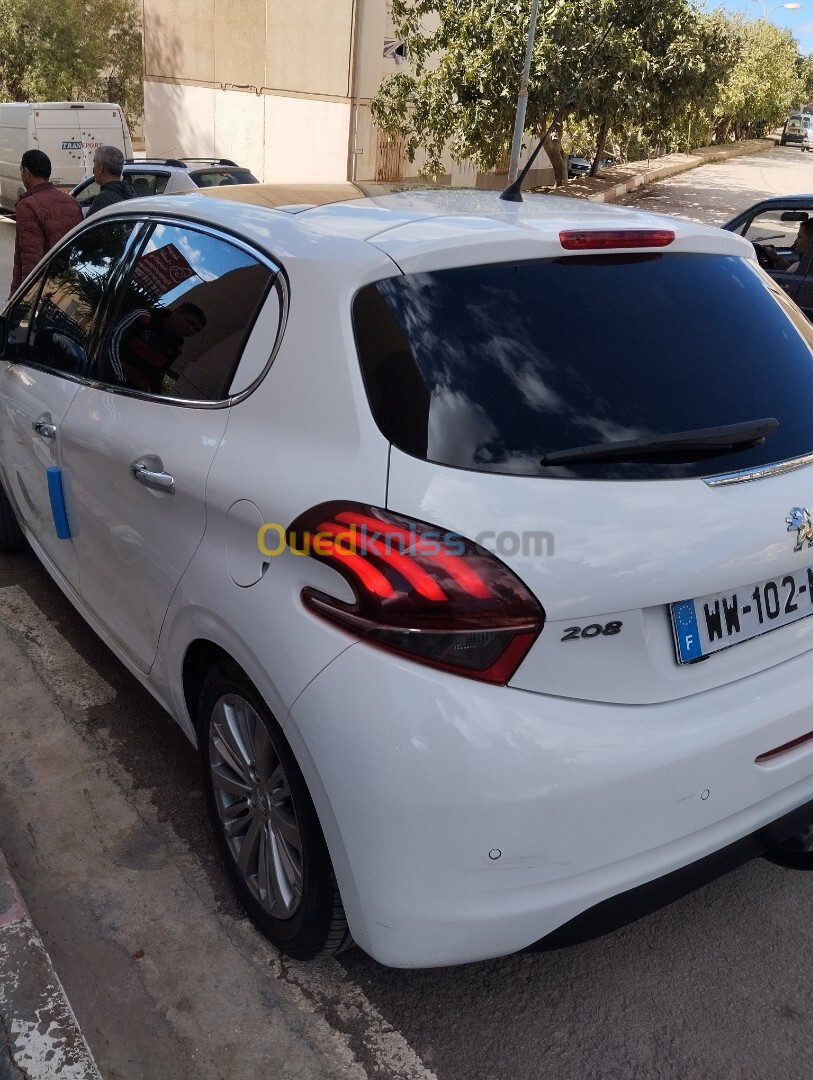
[(281, 139), (282, 86)]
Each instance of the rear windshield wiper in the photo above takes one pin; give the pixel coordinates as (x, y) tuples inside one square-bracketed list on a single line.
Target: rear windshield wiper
[(679, 446)]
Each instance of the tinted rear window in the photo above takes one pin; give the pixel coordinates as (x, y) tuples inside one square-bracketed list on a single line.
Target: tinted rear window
[(219, 177), (490, 367)]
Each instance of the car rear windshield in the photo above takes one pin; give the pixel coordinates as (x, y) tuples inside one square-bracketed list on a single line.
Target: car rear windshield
[(218, 177), (491, 367)]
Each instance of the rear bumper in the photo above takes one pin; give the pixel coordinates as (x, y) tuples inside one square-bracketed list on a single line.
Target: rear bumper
[(634, 904), (470, 821)]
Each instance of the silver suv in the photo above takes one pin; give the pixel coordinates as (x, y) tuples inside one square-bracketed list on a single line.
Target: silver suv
[(167, 176)]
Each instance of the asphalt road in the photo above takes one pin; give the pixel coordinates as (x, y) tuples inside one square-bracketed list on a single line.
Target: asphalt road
[(715, 193), (102, 817)]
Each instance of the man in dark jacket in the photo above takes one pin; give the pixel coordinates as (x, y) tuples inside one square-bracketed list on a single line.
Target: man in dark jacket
[(108, 163), (44, 214)]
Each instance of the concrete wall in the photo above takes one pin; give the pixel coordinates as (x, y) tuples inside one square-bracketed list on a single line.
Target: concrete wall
[(281, 139), (293, 46), (275, 85)]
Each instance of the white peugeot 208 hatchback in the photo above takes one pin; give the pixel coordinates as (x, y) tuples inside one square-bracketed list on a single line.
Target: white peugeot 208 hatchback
[(469, 541)]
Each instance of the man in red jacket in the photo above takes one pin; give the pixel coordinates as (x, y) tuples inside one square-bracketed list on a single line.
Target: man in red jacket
[(44, 214)]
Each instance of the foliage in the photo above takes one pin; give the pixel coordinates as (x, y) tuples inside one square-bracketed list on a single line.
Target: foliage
[(665, 75), (764, 83), (72, 51), (804, 69)]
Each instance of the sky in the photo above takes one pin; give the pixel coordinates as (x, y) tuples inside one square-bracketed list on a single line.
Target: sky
[(800, 22)]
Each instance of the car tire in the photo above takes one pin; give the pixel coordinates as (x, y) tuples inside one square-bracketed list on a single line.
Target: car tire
[(781, 142), (256, 794), (12, 537), (795, 853)]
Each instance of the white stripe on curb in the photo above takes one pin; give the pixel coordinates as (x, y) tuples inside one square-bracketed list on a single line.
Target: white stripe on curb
[(38, 1028)]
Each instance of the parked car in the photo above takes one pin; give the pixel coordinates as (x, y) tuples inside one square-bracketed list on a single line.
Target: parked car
[(794, 128), (580, 166), (167, 176), (772, 225), (482, 640)]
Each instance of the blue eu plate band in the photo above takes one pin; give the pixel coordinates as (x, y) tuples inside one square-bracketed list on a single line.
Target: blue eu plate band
[(57, 495), (687, 635)]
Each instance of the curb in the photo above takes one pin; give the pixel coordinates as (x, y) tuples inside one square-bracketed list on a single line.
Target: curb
[(601, 189), (40, 1038)]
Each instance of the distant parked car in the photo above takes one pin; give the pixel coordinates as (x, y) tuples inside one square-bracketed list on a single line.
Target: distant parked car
[(772, 225), (167, 176), (580, 166), (795, 127)]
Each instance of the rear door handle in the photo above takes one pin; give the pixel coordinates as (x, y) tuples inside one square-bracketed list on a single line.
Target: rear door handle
[(43, 426), (151, 478)]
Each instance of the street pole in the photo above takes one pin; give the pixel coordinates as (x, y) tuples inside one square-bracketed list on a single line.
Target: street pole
[(522, 99)]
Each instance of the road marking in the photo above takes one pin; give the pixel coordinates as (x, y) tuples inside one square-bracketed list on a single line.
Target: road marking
[(324, 985)]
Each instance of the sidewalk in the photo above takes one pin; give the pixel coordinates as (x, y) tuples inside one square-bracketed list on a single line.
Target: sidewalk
[(39, 1036), (616, 181)]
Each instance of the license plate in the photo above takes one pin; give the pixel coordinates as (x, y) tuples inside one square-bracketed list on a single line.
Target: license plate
[(708, 624)]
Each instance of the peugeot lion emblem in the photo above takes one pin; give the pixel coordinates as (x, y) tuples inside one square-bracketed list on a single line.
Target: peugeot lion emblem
[(799, 520)]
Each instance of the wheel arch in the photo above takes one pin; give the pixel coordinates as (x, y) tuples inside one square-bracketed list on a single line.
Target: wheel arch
[(200, 655)]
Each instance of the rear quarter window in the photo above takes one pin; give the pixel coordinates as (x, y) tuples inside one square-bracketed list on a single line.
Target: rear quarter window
[(222, 177), (490, 367)]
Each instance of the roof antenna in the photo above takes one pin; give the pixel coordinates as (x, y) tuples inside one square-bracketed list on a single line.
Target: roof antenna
[(513, 193)]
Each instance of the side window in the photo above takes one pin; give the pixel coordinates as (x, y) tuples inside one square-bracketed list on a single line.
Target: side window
[(775, 227), (147, 183), (72, 290), (87, 194), (19, 324), (184, 315)]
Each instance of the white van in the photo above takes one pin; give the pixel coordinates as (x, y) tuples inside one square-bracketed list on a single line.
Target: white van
[(67, 131)]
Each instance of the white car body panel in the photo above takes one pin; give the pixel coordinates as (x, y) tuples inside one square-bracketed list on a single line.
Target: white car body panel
[(133, 543), (464, 820), (582, 801), (621, 551), (27, 395)]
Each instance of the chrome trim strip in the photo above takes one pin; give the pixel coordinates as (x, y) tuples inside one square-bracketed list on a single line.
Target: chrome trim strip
[(744, 476)]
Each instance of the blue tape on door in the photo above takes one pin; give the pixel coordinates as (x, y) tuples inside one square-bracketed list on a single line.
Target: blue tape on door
[(63, 529)]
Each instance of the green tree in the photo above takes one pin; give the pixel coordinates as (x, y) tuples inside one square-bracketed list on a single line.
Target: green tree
[(74, 50), (804, 69), (653, 64), (764, 84), (663, 72)]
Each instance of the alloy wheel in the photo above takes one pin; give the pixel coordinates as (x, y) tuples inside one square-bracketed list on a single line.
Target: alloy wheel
[(255, 806)]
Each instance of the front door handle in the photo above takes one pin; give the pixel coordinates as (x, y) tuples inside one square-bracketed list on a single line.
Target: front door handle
[(151, 478), (43, 426)]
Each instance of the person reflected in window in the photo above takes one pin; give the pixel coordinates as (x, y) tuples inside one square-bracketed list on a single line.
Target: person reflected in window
[(146, 343)]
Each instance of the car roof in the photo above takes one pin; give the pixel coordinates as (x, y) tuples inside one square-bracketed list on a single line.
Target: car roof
[(183, 164), (425, 228)]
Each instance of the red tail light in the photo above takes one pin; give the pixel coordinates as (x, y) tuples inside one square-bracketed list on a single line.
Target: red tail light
[(420, 591), (587, 240)]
